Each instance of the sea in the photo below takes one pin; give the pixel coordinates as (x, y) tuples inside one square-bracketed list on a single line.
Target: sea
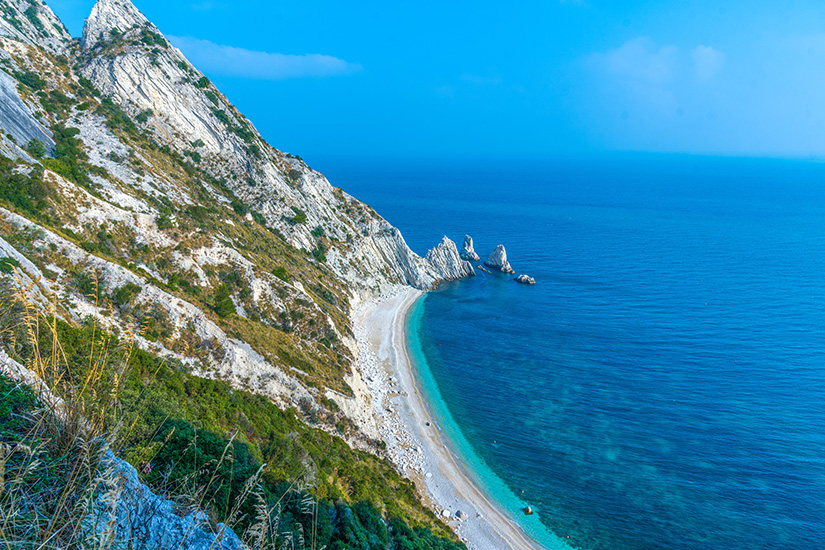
[(662, 386)]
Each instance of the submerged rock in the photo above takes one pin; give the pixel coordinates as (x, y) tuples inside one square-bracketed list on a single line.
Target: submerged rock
[(498, 260), (525, 279), (467, 251)]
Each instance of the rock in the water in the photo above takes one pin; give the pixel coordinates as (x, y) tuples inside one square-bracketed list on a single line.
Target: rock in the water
[(467, 251), (525, 279), (528, 511), (498, 260)]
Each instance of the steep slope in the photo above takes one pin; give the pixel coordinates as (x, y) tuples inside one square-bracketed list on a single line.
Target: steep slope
[(134, 196), (129, 60), (134, 189), (33, 22)]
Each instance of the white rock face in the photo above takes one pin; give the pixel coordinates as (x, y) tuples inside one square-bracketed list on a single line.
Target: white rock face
[(186, 110), (498, 260), (447, 263), (525, 279), (106, 15), (43, 29), (16, 118), (467, 251), (140, 519)]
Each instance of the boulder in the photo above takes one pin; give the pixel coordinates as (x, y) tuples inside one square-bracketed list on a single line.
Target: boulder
[(525, 279), (467, 251), (498, 260)]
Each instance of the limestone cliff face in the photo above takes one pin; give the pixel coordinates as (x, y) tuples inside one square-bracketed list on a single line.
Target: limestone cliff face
[(33, 23), (17, 119), (128, 59), (164, 187), (467, 251), (498, 260)]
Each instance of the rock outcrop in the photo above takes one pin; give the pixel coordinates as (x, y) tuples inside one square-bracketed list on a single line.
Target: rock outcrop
[(138, 518), (498, 260), (33, 23), (525, 279), (17, 119), (467, 251), (447, 263), (185, 111)]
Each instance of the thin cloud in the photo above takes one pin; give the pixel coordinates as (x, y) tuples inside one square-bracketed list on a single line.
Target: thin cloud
[(640, 60), (707, 62), (223, 60)]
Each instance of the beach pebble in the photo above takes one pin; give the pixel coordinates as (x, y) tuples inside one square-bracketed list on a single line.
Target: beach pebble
[(461, 515), (445, 513)]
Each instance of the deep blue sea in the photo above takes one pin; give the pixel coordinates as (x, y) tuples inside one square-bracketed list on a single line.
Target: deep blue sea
[(663, 385)]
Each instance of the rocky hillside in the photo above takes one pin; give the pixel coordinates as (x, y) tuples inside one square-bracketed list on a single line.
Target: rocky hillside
[(134, 193)]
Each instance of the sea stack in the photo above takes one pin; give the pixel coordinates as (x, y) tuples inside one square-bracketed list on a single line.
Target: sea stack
[(525, 279), (467, 251), (498, 260)]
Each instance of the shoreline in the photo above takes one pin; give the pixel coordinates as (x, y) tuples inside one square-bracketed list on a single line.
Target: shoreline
[(420, 451)]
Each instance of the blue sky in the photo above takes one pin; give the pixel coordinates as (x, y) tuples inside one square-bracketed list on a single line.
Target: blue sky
[(537, 79)]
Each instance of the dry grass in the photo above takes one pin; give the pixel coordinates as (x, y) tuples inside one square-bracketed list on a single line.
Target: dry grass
[(54, 470)]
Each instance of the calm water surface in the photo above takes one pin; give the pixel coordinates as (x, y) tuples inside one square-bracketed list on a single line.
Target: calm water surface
[(663, 385)]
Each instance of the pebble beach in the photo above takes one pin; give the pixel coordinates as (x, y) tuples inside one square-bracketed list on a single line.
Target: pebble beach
[(414, 442)]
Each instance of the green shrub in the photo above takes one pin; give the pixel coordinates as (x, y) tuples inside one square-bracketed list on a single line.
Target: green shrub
[(299, 217), (8, 264), (31, 79), (222, 303), (35, 148), (124, 295), (143, 116), (164, 219), (150, 38), (221, 115)]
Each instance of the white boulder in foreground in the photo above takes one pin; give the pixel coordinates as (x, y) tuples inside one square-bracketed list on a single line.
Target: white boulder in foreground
[(498, 260)]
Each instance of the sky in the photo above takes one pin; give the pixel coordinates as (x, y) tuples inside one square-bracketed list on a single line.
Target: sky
[(535, 79)]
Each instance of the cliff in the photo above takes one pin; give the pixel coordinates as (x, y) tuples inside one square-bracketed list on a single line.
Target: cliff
[(134, 197)]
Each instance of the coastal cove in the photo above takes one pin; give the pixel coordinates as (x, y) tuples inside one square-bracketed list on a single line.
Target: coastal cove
[(418, 429), (659, 386)]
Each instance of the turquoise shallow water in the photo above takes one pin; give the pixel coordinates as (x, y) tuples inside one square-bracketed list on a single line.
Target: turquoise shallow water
[(662, 386)]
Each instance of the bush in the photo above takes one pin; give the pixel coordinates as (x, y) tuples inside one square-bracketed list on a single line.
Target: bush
[(281, 273), (164, 219), (30, 79), (143, 116), (223, 304), (68, 155), (7, 265), (124, 295), (299, 217), (221, 115), (35, 148)]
